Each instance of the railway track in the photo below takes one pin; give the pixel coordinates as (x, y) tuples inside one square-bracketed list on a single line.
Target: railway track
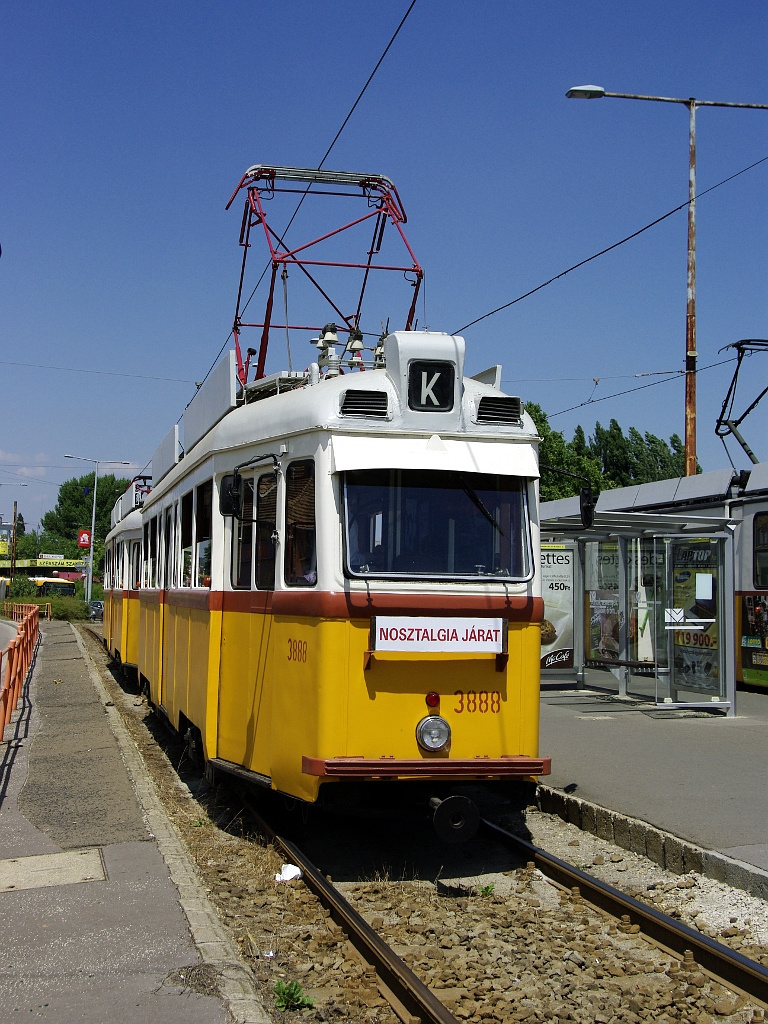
[(413, 1001), (409, 989), (729, 966)]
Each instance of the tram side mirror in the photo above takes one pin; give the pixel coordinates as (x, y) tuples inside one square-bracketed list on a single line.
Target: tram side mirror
[(231, 496), (587, 504)]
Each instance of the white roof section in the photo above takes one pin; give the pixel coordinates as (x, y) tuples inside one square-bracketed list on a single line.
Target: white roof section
[(758, 478), (166, 454), (212, 402)]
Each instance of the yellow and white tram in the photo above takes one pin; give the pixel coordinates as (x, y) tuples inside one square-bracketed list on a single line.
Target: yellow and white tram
[(339, 586), (122, 576)]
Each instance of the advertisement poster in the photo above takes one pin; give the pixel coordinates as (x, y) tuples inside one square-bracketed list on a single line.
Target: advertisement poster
[(557, 591), (754, 642), (695, 595), (604, 623), (603, 617)]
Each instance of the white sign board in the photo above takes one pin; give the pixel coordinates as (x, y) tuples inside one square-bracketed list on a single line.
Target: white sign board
[(438, 634)]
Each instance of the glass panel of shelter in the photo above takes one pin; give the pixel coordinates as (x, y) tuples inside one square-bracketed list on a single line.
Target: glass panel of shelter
[(694, 621), (652, 611)]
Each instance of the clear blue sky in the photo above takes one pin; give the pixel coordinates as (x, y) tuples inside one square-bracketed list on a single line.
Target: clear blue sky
[(127, 126)]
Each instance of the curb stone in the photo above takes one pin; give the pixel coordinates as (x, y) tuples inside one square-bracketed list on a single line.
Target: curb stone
[(236, 983), (663, 848)]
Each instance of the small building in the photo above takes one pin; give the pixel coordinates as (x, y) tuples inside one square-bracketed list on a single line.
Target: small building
[(641, 604)]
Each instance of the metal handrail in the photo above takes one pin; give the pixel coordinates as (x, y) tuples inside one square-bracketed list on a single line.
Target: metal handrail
[(16, 659)]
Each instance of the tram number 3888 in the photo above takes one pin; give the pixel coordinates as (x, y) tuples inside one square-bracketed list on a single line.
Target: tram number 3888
[(482, 701), (297, 650)]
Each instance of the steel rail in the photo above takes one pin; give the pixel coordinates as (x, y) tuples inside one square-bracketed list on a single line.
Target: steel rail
[(418, 1001), (729, 966)]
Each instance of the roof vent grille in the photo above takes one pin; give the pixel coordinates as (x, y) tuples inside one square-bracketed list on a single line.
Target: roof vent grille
[(357, 402), (501, 409)]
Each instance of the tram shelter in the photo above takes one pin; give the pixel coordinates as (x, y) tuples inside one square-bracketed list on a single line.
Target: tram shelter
[(639, 605)]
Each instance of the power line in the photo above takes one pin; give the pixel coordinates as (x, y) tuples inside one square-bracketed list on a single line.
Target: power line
[(319, 168), (599, 376), (102, 373), (602, 252), (641, 387)]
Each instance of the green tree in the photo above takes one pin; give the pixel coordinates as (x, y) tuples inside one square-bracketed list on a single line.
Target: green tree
[(559, 454), (608, 459), (73, 512), (21, 528)]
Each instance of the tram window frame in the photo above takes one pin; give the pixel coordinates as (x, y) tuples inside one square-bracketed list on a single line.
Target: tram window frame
[(168, 547), (187, 538), (760, 551), (266, 529), (135, 566), (300, 560), (241, 568), (150, 553), (401, 535), (203, 535)]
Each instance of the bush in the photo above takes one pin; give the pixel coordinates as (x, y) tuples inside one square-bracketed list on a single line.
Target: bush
[(69, 609), (22, 586)]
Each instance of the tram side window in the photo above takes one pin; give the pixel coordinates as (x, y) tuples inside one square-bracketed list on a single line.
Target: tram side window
[(266, 514), (186, 540), (300, 537), (168, 549), (242, 541), (150, 553), (203, 523), (135, 567), (760, 550)]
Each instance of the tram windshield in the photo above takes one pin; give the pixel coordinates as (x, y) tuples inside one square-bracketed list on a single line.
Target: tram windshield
[(425, 523)]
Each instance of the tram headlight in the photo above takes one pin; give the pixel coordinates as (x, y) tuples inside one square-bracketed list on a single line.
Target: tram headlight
[(433, 733)]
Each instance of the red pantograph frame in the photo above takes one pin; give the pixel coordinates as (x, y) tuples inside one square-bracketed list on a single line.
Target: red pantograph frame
[(384, 203)]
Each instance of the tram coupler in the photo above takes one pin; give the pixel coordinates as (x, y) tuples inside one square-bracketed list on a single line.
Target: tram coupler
[(455, 819)]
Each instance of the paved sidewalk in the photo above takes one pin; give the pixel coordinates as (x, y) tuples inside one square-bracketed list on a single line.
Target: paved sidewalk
[(96, 890), (698, 776)]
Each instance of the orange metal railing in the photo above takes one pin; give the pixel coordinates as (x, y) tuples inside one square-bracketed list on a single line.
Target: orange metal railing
[(16, 659)]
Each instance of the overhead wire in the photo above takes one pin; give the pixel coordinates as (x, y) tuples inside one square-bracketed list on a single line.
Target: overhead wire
[(102, 373), (641, 387), (319, 168), (610, 248)]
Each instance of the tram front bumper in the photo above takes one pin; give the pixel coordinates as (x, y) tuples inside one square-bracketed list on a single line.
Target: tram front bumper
[(511, 767)]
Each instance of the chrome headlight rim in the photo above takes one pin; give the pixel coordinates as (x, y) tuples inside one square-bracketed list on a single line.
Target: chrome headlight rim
[(439, 729)]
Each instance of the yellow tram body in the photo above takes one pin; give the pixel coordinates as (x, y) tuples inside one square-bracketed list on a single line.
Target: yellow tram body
[(121, 592), (287, 654)]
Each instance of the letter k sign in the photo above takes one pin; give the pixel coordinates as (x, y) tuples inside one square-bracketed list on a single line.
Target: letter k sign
[(431, 385), (427, 394)]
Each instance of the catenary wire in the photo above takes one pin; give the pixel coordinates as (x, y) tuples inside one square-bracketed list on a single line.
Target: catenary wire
[(319, 168), (641, 387), (102, 373), (610, 248)]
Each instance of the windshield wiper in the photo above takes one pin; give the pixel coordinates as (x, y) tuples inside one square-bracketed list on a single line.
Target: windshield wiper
[(477, 501)]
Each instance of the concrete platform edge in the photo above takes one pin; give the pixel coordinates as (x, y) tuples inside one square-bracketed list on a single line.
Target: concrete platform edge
[(663, 848), (215, 946)]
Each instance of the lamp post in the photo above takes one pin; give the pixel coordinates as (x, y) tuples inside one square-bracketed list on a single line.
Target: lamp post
[(96, 463), (596, 92), (12, 553)]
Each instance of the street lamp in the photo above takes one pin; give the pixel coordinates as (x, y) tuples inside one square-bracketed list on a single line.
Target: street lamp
[(596, 92), (97, 463)]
